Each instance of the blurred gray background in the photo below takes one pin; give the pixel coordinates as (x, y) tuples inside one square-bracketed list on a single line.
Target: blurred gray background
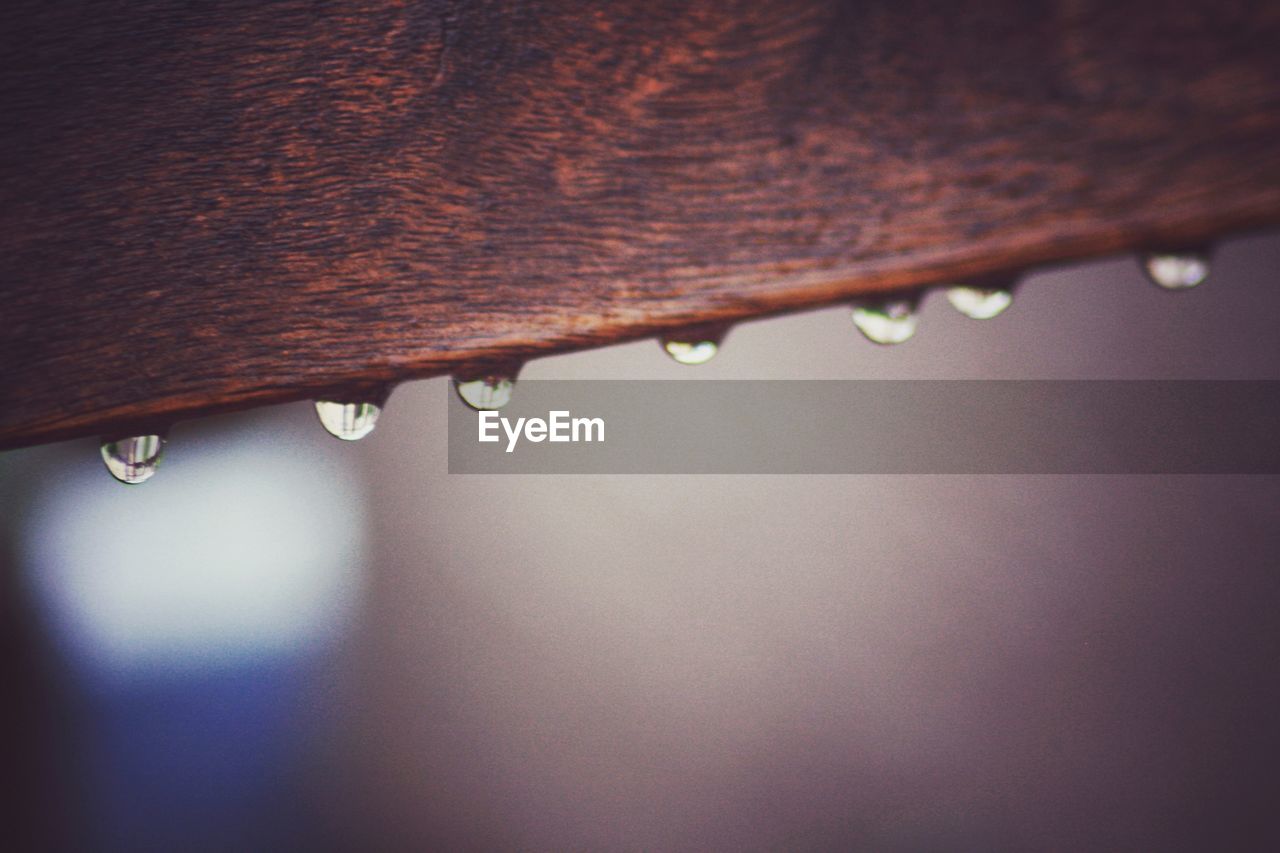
[(285, 640)]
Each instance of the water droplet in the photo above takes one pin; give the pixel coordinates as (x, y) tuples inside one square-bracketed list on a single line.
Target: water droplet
[(694, 346), (690, 351), (488, 391), (1176, 270), (348, 421), (891, 321), (980, 303), (134, 459)]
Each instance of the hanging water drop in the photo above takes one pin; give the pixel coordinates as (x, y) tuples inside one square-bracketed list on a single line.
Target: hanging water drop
[(980, 303), (690, 352), (1176, 270), (891, 321), (133, 460), (488, 391), (694, 346), (348, 421)]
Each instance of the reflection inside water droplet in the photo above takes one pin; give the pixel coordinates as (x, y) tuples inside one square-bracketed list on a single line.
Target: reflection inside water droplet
[(980, 303), (694, 346), (486, 392), (348, 421), (690, 352), (133, 460), (1176, 270), (891, 321)]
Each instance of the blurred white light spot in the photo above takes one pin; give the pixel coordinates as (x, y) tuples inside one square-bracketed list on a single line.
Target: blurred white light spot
[(248, 547)]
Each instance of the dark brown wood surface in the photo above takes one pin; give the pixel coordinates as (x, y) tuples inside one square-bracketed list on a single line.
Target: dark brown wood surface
[(212, 206)]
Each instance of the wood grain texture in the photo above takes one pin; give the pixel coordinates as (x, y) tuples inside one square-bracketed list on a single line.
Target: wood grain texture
[(212, 206)]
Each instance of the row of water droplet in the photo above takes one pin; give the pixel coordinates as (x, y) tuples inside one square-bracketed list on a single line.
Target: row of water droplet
[(890, 320)]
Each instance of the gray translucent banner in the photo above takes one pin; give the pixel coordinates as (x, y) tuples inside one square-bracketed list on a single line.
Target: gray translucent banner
[(875, 427)]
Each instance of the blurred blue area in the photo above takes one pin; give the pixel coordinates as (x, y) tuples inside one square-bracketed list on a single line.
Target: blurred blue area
[(204, 759), (189, 622)]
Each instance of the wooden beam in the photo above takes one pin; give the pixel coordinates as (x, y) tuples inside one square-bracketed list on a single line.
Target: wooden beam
[(213, 206)]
